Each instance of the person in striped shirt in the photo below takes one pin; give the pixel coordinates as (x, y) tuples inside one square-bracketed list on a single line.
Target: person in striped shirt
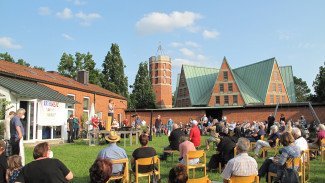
[(242, 164)]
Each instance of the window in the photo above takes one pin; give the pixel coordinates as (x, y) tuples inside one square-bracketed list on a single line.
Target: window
[(273, 87), (100, 115), (234, 99), (165, 80), (181, 92), (186, 103), (277, 99), (156, 80), (182, 81), (183, 103), (184, 92), (276, 76), (229, 87), (226, 98), (221, 88), (164, 73), (86, 107), (283, 99), (70, 106), (280, 88), (164, 66), (156, 73), (225, 75), (271, 99), (218, 100), (156, 65)]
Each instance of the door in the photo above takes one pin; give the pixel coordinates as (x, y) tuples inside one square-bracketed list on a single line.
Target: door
[(29, 122)]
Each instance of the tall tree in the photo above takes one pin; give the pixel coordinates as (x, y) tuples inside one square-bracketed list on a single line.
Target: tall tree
[(319, 86), (113, 72), (7, 57), (39, 68), (301, 89), (70, 65), (142, 95), (23, 62)]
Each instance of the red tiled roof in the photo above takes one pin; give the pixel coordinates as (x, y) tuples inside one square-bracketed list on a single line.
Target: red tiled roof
[(23, 72)]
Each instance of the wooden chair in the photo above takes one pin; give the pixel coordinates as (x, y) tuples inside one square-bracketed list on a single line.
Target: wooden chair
[(253, 143), (321, 149), (305, 163), (172, 153), (248, 179), (289, 165), (145, 161), (264, 149), (125, 176), (235, 151), (200, 180), (194, 155)]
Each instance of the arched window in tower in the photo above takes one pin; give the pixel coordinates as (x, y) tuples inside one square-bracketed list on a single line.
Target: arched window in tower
[(156, 65), (156, 73), (156, 81), (164, 73), (164, 66), (165, 80)]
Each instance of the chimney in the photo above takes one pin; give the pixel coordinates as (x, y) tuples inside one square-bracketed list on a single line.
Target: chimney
[(83, 77), (53, 72)]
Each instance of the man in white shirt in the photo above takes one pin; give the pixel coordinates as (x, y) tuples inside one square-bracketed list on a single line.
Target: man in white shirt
[(7, 132), (300, 140)]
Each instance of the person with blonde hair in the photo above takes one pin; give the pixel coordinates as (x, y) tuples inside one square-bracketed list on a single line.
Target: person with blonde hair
[(14, 168)]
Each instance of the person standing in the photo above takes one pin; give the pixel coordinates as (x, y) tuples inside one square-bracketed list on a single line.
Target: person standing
[(17, 132), (138, 122), (195, 135), (7, 132), (111, 106), (158, 126), (170, 126), (70, 129), (76, 127), (270, 122), (282, 118)]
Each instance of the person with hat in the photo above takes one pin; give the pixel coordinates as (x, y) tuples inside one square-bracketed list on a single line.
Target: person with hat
[(114, 152), (3, 161), (195, 134)]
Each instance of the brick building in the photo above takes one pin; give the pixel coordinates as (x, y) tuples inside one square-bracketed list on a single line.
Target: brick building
[(32, 89), (260, 83)]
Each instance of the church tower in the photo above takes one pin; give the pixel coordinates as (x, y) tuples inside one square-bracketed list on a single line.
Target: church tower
[(160, 70)]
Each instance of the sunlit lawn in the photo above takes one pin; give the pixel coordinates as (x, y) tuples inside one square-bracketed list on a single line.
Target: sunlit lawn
[(79, 157)]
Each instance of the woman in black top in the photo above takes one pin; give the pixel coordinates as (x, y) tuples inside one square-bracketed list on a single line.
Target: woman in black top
[(44, 168), (143, 152)]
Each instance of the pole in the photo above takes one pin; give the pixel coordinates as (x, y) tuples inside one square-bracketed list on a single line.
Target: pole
[(150, 135)]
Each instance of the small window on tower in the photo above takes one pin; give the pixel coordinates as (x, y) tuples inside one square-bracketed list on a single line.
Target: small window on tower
[(283, 99), (164, 73), (156, 73), (230, 87), (234, 99), (276, 76), (185, 94), (273, 87), (165, 80), (180, 92), (221, 88), (182, 81), (156, 81), (280, 88), (156, 65), (225, 75), (271, 99), (226, 102), (217, 100), (164, 66)]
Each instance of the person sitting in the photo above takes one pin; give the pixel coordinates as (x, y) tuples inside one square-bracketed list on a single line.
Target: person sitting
[(270, 142), (184, 147), (288, 127), (275, 165), (3, 161), (95, 122), (143, 152), (125, 122), (242, 164), (44, 168), (214, 134), (115, 124), (300, 141), (282, 127), (14, 168), (178, 174), (256, 136), (225, 150), (113, 152), (100, 171), (321, 134), (195, 134), (174, 140)]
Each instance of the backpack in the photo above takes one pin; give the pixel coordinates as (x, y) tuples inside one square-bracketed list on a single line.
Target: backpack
[(290, 175)]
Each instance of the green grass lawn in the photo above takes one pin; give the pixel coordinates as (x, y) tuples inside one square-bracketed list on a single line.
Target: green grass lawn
[(79, 157)]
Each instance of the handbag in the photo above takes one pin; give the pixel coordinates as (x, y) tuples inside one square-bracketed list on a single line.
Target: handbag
[(154, 176), (290, 175)]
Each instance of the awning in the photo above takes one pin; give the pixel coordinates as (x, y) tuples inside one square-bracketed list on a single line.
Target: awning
[(29, 89)]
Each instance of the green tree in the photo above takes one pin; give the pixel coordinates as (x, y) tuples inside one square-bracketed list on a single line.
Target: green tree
[(70, 65), (142, 95), (301, 89), (39, 68), (23, 62), (113, 72), (7, 57), (319, 86)]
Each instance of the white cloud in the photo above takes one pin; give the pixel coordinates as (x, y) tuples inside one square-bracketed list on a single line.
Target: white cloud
[(44, 10), (156, 22), (78, 2), (176, 44), (178, 62), (210, 34), (87, 19), (193, 28), (6, 42), (190, 43), (67, 36), (66, 14), (187, 52), (201, 57)]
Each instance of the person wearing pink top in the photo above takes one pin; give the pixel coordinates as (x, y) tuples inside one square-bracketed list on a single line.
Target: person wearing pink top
[(321, 134), (184, 147), (195, 134)]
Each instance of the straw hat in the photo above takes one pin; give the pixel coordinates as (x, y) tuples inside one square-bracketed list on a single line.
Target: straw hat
[(113, 137)]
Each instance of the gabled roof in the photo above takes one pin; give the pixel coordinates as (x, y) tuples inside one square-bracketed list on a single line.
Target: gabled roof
[(287, 78), (29, 89), (22, 72), (257, 76), (200, 82), (176, 92)]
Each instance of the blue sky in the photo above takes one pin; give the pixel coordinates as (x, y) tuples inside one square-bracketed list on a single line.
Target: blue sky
[(192, 32)]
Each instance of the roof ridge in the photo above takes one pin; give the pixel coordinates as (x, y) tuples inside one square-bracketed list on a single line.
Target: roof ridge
[(273, 58), (200, 66)]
